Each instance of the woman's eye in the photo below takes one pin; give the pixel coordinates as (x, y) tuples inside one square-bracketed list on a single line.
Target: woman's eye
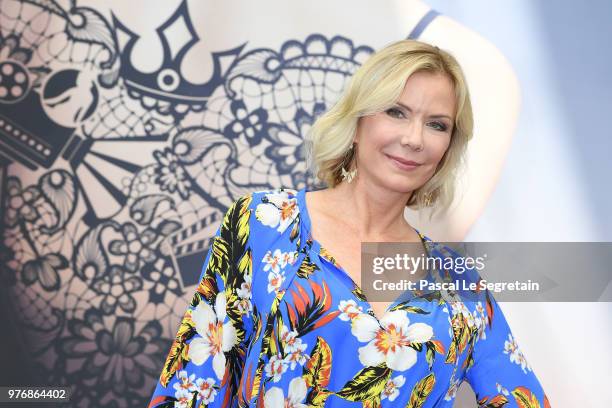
[(439, 126), (395, 113)]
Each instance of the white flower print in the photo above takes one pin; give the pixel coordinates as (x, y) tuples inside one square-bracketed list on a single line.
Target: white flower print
[(290, 257), (185, 381), (480, 319), (205, 389), (502, 389), (516, 355), (289, 338), (275, 398), (274, 261), (216, 337), (480, 309), (245, 293), (245, 288), (297, 356), (389, 341), (459, 307), (349, 310), (245, 306), (278, 212), (276, 367), (392, 387), (450, 322), (183, 399), (275, 280), (293, 347), (452, 389)]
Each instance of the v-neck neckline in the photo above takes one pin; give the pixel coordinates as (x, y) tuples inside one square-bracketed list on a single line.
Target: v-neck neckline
[(316, 246)]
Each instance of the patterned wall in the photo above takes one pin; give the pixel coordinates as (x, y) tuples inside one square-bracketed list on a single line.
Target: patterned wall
[(114, 178)]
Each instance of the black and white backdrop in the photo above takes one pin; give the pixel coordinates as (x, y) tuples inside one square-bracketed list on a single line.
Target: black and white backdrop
[(126, 130)]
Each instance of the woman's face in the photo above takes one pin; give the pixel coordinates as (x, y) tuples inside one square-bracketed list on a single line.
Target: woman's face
[(417, 128)]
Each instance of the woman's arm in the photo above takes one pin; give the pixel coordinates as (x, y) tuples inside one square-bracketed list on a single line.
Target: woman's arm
[(500, 374), (206, 359)]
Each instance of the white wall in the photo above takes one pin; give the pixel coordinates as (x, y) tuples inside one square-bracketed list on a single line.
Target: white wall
[(554, 186)]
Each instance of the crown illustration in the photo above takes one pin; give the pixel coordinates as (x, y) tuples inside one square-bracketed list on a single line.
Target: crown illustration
[(177, 36)]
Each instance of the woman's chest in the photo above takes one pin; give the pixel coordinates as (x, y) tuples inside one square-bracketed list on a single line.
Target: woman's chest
[(339, 245), (315, 313), (311, 326), (344, 253)]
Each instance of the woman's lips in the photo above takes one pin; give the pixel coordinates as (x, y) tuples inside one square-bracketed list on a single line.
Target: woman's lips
[(403, 164)]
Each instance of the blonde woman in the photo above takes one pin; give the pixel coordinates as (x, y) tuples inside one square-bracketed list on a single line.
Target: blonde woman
[(279, 317), (493, 83)]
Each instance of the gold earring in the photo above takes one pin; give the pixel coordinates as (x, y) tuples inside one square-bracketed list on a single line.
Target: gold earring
[(349, 175), (427, 199)]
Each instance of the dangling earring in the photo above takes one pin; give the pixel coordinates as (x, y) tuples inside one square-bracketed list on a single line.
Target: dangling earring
[(427, 199), (349, 175)]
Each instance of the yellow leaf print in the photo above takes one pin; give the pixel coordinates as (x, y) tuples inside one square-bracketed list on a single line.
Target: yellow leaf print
[(525, 398), (179, 351), (317, 371), (421, 391), (368, 384)]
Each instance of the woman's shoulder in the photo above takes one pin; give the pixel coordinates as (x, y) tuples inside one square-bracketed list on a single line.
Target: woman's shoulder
[(280, 201), (276, 194), (271, 212), (280, 196)]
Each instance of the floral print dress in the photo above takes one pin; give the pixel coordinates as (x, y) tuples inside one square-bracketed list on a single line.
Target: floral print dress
[(276, 322)]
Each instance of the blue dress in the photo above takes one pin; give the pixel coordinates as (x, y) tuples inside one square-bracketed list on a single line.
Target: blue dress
[(276, 322)]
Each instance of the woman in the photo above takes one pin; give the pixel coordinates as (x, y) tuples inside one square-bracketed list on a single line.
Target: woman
[(277, 321)]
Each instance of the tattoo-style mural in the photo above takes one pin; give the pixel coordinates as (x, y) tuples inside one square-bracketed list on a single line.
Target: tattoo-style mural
[(114, 177)]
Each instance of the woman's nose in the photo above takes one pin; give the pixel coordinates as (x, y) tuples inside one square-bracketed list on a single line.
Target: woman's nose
[(412, 135)]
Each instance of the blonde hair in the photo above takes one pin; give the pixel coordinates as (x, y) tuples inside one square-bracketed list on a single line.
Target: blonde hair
[(375, 87)]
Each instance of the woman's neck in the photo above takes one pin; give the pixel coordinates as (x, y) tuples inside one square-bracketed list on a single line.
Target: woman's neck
[(372, 212)]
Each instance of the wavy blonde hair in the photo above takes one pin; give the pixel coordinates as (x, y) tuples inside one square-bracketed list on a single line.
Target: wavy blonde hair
[(375, 87)]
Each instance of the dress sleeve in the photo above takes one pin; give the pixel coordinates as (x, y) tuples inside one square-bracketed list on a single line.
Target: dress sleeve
[(206, 359), (500, 375)]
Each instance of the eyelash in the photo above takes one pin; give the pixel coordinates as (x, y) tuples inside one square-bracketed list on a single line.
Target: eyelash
[(393, 111)]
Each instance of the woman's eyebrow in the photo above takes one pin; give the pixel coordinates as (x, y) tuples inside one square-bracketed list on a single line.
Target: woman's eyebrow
[(440, 115)]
